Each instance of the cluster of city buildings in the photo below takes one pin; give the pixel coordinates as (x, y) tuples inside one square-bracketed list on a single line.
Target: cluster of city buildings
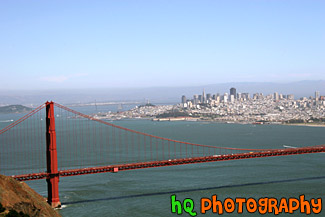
[(241, 107), (232, 97), (139, 112), (234, 107)]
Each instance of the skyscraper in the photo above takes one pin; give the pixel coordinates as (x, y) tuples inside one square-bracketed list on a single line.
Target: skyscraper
[(276, 96), (239, 96), (209, 97), (200, 99), (232, 98), (317, 95), (183, 99), (196, 99), (204, 99), (246, 96), (233, 92), (225, 98)]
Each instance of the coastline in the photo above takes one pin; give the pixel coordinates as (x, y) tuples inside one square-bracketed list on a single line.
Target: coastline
[(306, 125), (190, 119)]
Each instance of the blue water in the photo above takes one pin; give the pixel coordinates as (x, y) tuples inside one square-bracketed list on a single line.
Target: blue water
[(147, 192)]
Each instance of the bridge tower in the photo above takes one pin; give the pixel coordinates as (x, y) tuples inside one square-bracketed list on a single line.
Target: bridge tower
[(51, 158)]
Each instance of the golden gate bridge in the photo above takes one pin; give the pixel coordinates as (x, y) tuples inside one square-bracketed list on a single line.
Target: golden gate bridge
[(54, 141)]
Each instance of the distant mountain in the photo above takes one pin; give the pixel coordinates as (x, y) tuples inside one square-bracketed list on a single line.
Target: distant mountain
[(14, 109), (156, 94)]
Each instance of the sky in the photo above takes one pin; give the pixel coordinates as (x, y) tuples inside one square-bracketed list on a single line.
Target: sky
[(109, 44)]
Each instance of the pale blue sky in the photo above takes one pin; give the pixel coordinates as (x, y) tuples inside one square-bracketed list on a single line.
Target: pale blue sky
[(138, 43)]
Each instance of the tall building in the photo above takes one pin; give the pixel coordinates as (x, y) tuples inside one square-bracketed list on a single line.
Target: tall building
[(276, 96), (209, 97), (232, 98), (183, 99), (225, 98), (215, 96), (246, 96), (233, 92), (196, 99), (204, 99), (239, 96), (317, 95), (200, 99), (217, 99)]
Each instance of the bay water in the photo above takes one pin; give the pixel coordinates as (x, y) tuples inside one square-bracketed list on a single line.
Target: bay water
[(147, 192)]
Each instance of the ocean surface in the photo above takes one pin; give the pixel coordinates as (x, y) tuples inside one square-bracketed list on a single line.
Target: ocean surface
[(147, 192)]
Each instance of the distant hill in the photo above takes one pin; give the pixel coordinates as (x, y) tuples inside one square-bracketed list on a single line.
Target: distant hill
[(14, 109), (156, 94)]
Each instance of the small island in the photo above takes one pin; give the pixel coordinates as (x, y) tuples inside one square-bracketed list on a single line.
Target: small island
[(14, 109)]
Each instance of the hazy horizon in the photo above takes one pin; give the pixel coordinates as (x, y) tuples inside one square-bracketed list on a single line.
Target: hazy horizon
[(156, 94), (99, 44)]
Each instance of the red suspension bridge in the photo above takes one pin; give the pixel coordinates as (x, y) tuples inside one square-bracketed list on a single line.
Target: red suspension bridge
[(54, 141)]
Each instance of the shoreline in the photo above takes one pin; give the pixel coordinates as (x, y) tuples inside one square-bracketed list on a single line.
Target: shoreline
[(306, 125), (215, 121)]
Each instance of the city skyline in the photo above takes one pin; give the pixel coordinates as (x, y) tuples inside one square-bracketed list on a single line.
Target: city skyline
[(207, 98), (276, 108)]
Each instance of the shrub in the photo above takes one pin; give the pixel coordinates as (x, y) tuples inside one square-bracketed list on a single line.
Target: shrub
[(2, 209), (14, 213)]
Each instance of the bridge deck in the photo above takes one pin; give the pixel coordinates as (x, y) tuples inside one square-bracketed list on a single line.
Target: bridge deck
[(172, 162)]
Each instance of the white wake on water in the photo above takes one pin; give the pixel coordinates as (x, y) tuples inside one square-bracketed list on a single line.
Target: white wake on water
[(5, 121)]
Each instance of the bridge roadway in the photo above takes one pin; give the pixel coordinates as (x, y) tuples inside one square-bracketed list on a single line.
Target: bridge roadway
[(172, 162)]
